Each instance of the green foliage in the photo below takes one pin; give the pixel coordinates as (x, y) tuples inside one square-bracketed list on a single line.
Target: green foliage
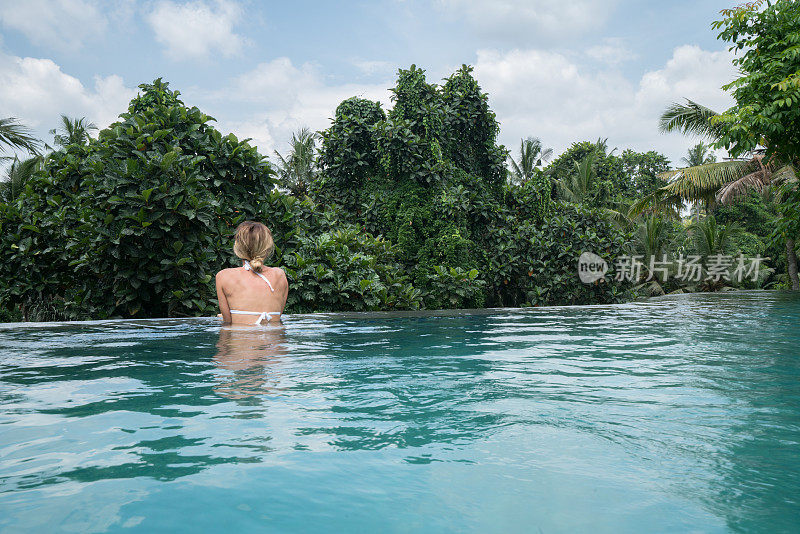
[(532, 155), (653, 236), (753, 212), (72, 132), (136, 223), (410, 142), (605, 170), (471, 128), (453, 287), (406, 155), (407, 210), (691, 118), (346, 270), (748, 244), (641, 172), (699, 154), (349, 147), (535, 264), (581, 187), (19, 173), (712, 238), (615, 179), (766, 39), (441, 197), (532, 199), (298, 170)]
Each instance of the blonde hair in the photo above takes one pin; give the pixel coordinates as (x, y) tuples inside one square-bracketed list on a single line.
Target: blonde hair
[(253, 242)]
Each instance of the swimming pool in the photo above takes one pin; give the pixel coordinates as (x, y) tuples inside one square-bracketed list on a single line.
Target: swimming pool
[(678, 414)]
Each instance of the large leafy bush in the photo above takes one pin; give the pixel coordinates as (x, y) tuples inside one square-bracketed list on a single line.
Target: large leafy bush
[(135, 223)]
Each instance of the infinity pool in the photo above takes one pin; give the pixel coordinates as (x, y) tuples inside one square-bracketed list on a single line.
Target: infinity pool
[(675, 415)]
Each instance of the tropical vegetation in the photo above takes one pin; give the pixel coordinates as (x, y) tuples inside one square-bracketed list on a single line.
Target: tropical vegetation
[(760, 131), (412, 207)]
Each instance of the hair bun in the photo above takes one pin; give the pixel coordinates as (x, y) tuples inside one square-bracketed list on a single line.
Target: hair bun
[(257, 263)]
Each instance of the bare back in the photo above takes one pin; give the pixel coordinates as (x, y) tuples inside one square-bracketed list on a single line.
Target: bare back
[(240, 289)]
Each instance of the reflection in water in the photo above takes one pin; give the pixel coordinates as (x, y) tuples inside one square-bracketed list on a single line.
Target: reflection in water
[(249, 355)]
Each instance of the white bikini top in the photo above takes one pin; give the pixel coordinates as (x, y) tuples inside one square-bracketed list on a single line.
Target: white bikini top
[(264, 278), (261, 315)]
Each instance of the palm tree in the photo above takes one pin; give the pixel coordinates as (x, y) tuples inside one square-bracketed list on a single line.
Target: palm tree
[(532, 155), (72, 131), (652, 236), (577, 186), (711, 238), (15, 135), (17, 175), (699, 154), (298, 169)]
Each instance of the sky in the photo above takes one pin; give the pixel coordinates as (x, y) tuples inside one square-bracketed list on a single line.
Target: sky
[(563, 71)]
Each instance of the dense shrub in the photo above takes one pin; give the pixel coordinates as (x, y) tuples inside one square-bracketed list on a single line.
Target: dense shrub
[(535, 264), (135, 223), (349, 146), (346, 270), (471, 129)]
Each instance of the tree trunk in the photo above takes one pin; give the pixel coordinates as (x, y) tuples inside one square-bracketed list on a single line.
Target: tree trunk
[(791, 259)]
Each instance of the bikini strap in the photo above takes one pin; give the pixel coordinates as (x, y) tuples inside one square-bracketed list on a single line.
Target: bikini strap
[(264, 278)]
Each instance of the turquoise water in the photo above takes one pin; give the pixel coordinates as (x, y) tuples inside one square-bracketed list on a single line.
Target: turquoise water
[(675, 415)]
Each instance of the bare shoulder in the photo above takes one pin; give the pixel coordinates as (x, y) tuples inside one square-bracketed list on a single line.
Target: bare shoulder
[(280, 276), (225, 273)]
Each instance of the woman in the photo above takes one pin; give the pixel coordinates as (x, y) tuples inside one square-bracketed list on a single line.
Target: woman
[(252, 293)]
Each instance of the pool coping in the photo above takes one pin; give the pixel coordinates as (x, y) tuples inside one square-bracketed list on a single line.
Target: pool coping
[(399, 313)]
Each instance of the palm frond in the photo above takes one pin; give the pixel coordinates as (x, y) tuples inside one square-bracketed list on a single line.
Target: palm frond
[(15, 135), (72, 131), (657, 202), (298, 169), (532, 155), (755, 181), (577, 186), (690, 118), (787, 173), (19, 173), (703, 181), (710, 237)]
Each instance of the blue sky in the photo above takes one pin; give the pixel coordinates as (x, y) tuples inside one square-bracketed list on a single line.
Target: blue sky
[(564, 71)]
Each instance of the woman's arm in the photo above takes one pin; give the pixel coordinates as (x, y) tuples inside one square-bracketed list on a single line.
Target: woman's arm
[(282, 287), (223, 300)]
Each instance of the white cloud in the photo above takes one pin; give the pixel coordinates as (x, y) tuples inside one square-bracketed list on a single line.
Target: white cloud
[(372, 67), (548, 95), (59, 24), (37, 92), (196, 30), (528, 20), (277, 98), (613, 51), (690, 73)]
